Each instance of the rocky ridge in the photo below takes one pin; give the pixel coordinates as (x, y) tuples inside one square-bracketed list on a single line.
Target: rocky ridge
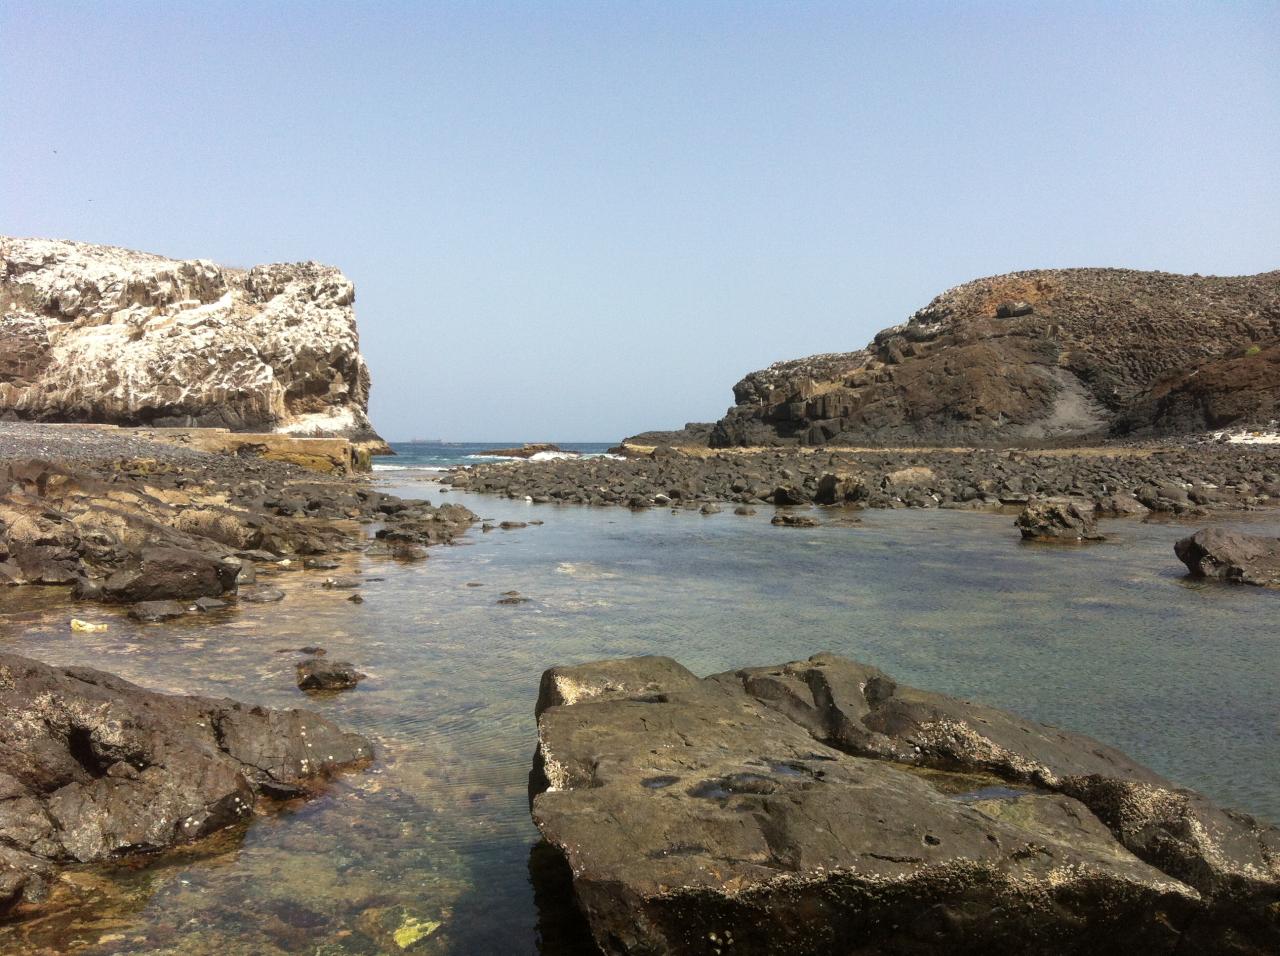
[(801, 807), (1042, 355), (93, 333)]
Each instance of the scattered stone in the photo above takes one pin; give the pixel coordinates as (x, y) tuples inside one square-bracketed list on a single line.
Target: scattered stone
[(793, 521), (1058, 519), (709, 509), (356, 598), (340, 584), (744, 510), (512, 525), (86, 627), (327, 675), (321, 564), (792, 809), (513, 597), (1231, 556)]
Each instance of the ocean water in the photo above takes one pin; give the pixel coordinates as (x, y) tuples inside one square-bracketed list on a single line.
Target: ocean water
[(1109, 639), (437, 456)]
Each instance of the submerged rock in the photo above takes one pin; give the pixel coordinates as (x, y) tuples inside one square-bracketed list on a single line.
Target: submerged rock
[(153, 612), (1058, 519), (795, 809), (93, 767), (793, 521), (1231, 556), (323, 674)]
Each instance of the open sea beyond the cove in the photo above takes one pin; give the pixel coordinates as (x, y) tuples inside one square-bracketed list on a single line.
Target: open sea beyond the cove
[(1108, 639)]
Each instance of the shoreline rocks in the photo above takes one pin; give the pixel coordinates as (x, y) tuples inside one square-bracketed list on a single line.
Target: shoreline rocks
[(1231, 556), (798, 807), (130, 522), (528, 450), (93, 767), (1116, 480)]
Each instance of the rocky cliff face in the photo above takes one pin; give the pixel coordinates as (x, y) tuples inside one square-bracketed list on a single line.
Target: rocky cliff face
[(100, 334), (1035, 356)]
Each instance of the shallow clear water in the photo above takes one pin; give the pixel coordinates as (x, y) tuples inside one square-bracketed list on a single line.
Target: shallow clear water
[(1107, 639)]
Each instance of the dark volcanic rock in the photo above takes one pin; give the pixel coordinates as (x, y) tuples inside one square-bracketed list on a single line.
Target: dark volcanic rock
[(163, 574), (1032, 356), (93, 767), (1058, 519), (181, 525), (1131, 479), (527, 450), (799, 808), (152, 612), (1231, 556), (793, 521), (324, 674)]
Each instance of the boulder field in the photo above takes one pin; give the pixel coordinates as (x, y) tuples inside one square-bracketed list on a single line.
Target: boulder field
[(93, 767), (125, 521), (820, 807), (1116, 480), (93, 333), (1042, 355)]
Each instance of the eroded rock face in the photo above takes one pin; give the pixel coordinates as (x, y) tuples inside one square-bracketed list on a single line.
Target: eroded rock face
[(100, 334), (800, 808), (1031, 356), (1231, 556), (93, 767)]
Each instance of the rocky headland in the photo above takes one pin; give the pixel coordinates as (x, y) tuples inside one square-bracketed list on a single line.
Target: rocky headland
[(820, 807), (93, 333), (1039, 356)]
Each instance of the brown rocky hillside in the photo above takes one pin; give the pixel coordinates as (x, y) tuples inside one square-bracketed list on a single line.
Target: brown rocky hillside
[(1035, 356)]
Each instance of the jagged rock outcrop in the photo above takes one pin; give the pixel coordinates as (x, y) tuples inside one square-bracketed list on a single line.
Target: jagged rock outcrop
[(819, 807), (93, 767), (94, 333), (1032, 356)]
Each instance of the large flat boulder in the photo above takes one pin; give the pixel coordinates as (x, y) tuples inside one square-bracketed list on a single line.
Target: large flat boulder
[(93, 767), (820, 807)]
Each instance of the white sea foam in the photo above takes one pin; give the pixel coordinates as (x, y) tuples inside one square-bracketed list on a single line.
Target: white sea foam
[(1263, 436)]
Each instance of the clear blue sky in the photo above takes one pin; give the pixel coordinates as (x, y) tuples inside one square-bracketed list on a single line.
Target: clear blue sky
[(577, 221)]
